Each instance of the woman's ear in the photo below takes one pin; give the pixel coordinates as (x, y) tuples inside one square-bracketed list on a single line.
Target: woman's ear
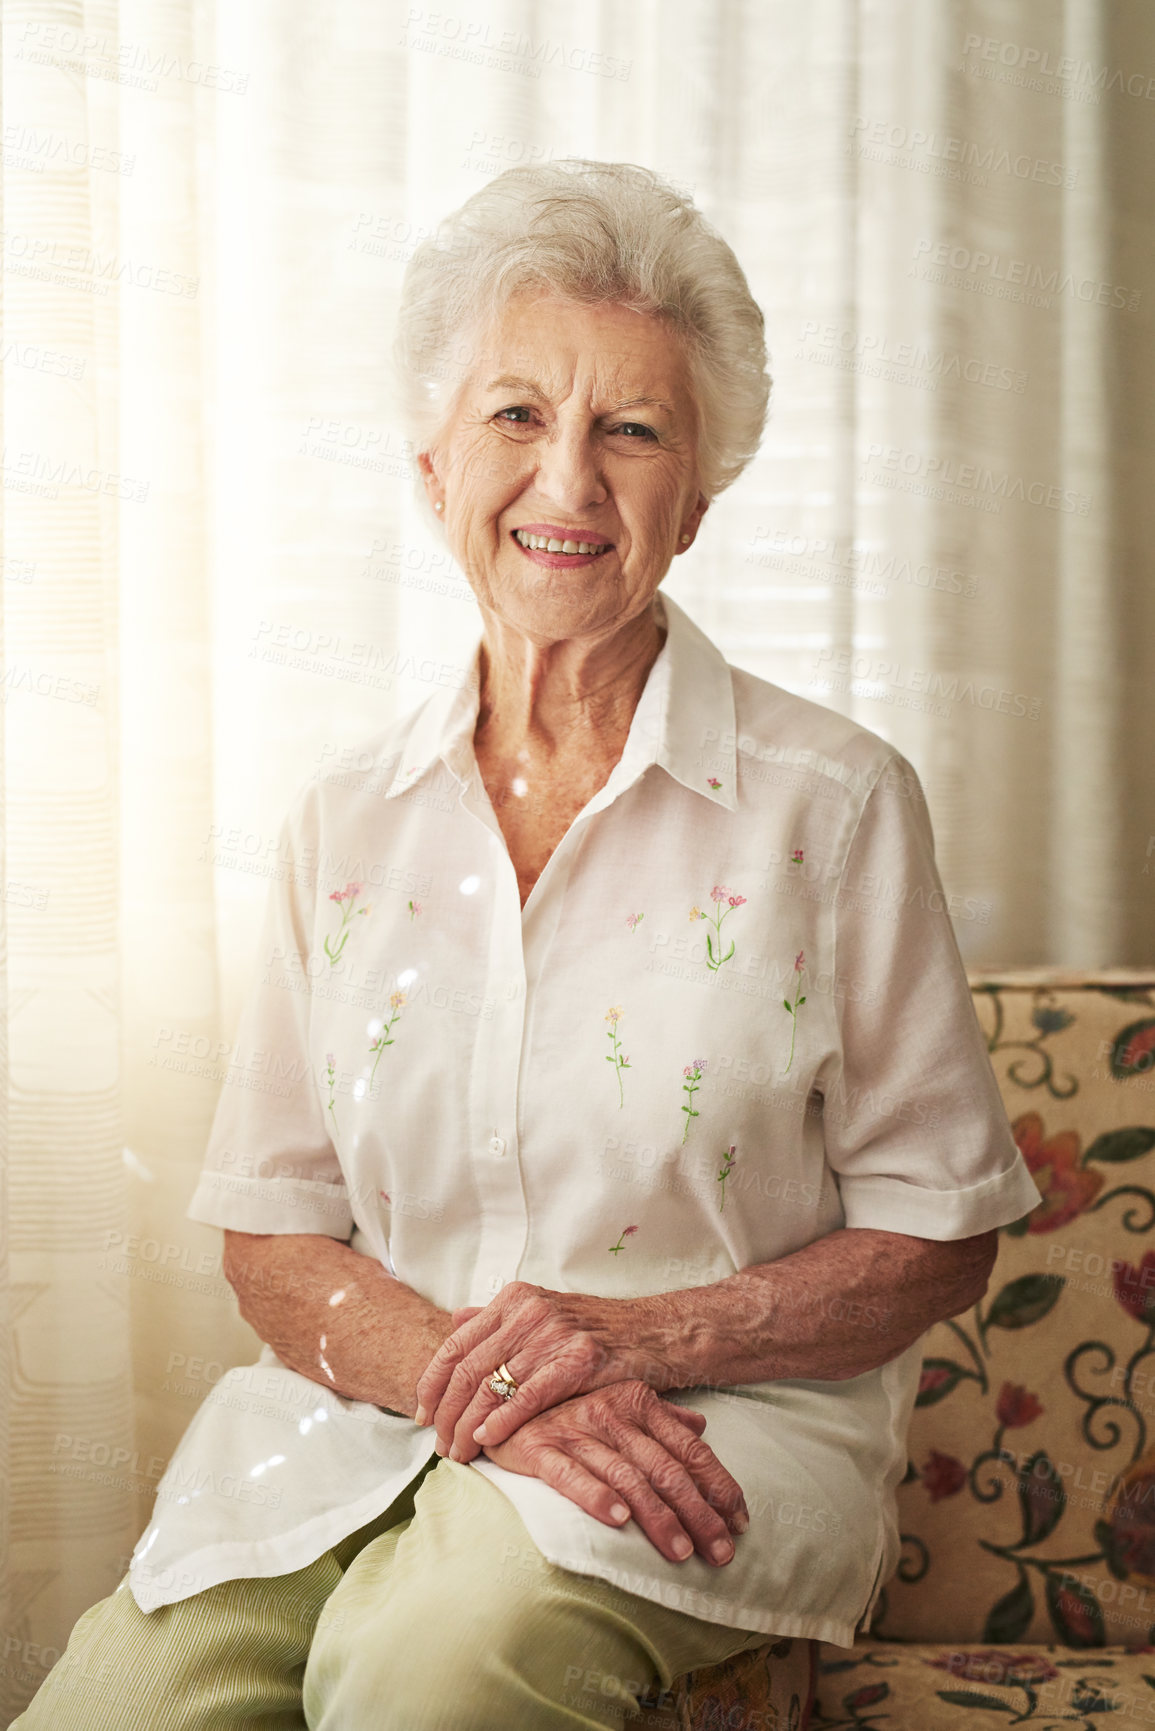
[(430, 480), (690, 525)]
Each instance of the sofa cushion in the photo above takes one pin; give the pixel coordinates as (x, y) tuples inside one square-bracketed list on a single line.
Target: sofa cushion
[(1028, 1511), (936, 1687)]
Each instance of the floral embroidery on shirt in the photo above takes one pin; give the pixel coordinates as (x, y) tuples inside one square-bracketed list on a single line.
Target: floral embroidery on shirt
[(634, 921), (694, 1072), (346, 900), (712, 781), (331, 1079), (379, 1032), (724, 1172), (614, 1056), (725, 901), (627, 1232), (797, 856), (793, 1008), (414, 909)]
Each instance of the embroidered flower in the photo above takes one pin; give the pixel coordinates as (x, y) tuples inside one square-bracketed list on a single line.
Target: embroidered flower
[(331, 1079), (381, 1033), (725, 901), (712, 781), (694, 1073), (792, 1009), (414, 909), (346, 900), (724, 1172), (634, 920), (615, 1055), (797, 856), (627, 1232)]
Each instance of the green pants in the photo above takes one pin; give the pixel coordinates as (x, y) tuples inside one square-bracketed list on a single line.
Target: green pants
[(441, 1615)]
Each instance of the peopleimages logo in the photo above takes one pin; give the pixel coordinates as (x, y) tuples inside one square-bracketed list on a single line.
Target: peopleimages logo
[(882, 356), (872, 675), (918, 146), (1064, 68), (994, 485), (994, 268), (478, 42)]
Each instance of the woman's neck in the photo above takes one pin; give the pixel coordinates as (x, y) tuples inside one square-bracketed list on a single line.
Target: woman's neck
[(568, 698)]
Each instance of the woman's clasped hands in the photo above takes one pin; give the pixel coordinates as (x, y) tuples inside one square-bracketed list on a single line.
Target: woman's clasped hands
[(584, 1418), (554, 1344)]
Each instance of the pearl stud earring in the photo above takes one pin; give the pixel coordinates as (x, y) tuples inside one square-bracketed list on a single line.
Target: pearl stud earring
[(440, 506), (685, 540)]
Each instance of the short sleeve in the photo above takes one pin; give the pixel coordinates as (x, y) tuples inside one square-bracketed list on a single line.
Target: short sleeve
[(270, 1165), (916, 1132)]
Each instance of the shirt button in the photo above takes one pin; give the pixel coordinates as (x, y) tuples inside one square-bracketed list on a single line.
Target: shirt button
[(496, 1145)]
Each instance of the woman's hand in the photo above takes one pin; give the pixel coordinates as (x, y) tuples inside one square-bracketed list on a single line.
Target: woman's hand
[(623, 1450), (555, 1345)]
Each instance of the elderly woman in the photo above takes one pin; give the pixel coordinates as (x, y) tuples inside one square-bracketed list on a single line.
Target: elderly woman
[(631, 1120)]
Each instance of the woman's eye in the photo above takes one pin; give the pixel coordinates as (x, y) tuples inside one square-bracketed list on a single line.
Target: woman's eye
[(517, 415)]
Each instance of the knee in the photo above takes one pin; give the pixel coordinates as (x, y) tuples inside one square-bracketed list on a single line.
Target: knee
[(83, 1684), (497, 1658)]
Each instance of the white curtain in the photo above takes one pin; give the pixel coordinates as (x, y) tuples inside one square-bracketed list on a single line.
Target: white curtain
[(214, 580)]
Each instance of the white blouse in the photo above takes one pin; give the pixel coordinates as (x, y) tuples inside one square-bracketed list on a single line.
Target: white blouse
[(732, 1017)]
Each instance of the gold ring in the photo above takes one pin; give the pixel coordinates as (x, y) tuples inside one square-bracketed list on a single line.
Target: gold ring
[(503, 1382)]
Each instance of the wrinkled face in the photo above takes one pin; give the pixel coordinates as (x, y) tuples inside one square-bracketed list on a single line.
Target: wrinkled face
[(567, 471)]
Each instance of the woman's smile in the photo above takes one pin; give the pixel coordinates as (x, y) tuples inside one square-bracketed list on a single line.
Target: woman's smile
[(559, 548)]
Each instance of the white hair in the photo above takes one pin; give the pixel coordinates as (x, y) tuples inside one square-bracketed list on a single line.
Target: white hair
[(593, 232)]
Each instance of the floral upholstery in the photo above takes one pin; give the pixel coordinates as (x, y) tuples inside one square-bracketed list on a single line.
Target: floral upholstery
[(1028, 1509), (883, 1687)]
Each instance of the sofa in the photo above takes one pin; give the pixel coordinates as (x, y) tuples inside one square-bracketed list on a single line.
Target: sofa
[(1025, 1592)]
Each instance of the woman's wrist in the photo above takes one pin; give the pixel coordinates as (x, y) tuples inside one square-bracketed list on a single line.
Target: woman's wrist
[(336, 1317), (658, 1340)]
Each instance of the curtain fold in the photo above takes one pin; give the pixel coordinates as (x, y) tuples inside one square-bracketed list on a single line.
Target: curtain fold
[(1087, 890), (69, 1394), (215, 580)]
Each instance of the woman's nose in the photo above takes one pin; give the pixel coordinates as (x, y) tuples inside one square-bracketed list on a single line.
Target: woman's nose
[(568, 470)]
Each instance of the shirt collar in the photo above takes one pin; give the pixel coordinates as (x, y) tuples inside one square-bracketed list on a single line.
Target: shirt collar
[(684, 721)]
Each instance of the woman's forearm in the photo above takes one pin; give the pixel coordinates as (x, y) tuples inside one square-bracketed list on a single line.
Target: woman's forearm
[(335, 1316), (841, 1306)]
